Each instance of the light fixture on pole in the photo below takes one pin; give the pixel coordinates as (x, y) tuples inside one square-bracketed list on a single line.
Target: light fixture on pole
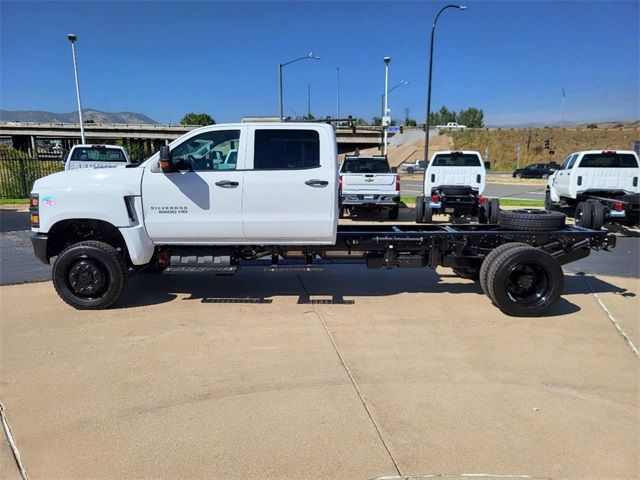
[(280, 65), (401, 84), (73, 39), (426, 124), (385, 118)]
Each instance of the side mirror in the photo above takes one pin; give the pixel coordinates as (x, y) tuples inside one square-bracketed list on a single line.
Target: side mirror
[(165, 159), (394, 169), (63, 157), (487, 165)]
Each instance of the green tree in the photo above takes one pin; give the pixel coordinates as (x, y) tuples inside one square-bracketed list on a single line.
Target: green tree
[(471, 117), (442, 116), (377, 121), (197, 119), (410, 122)]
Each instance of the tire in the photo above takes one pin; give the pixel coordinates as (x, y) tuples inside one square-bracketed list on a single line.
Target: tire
[(494, 210), (486, 263), (518, 175), (598, 216), (467, 273), (90, 275), (545, 176), (524, 281), (534, 220), (428, 213), (420, 209), (410, 170), (548, 203), (584, 214), (393, 213)]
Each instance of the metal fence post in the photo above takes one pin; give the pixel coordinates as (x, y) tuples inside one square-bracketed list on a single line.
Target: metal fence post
[(23, 179)]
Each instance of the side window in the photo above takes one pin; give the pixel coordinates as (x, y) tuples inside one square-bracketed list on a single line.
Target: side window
[(217, 150), (572, 160), (565, 163), (286, 149)]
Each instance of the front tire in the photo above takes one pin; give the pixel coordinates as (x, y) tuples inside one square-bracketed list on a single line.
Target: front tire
[(90, 275), (420, 209)]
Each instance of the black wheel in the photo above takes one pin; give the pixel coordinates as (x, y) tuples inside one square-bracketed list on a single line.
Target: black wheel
[(545, 176), (89, 275), (524, 281), (428, 213), (410, 170), (420, 209), (467, 273), (393, 213), (584, 215), (548, 203), (493, 212), (518, 175), (598, 216), (486, 263), (530, 219)]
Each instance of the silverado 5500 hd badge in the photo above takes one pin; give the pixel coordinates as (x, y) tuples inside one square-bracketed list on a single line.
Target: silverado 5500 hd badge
[(170, 209)]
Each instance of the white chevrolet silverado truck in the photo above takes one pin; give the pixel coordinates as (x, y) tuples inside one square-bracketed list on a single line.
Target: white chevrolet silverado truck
[(453, 185), (369, 182), (277, 209), (602, 186)]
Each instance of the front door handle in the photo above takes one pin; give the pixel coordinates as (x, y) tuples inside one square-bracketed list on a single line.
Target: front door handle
[(316, 183), (227, 184)]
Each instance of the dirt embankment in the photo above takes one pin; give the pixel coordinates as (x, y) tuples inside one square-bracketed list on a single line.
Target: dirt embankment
[(412, 151)]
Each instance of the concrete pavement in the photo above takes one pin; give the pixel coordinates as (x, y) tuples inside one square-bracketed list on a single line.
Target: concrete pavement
[(351, 374)]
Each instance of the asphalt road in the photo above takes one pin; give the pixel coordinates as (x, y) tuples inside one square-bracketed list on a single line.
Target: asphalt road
[(411, 187), (18, 265)]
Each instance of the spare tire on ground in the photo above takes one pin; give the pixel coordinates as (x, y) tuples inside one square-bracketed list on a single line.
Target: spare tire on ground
[(530, 219)]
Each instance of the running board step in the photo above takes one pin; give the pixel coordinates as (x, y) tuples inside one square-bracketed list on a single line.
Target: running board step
[(293, 269), (219, 269)]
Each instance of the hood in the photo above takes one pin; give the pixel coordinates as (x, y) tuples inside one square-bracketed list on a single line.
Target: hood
[(125, 181)]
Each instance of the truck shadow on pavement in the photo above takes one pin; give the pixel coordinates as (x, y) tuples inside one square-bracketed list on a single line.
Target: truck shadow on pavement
[(337, 285)]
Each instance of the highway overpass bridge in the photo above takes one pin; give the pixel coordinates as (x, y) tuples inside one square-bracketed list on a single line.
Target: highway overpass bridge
[(25, 136)]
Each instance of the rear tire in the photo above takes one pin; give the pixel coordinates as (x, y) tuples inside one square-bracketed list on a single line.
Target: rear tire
[(420, 209), (393, 213), (493, 212), (90, 275), (410, 170), (428, 213), (531, 220), (598, 216), (524, 281), (584, 215), (548, 203), (486, 263)]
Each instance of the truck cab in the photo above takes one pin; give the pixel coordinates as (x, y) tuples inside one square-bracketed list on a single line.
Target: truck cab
[(96, 156)]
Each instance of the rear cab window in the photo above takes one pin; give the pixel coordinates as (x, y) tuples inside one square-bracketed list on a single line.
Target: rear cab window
[(286, 149), (456, 160), (98, 154), (608, 160), (365, 165)]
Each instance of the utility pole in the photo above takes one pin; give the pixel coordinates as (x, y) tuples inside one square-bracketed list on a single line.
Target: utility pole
[(308, 101), (385, 119), (338, 94), (73, 39)]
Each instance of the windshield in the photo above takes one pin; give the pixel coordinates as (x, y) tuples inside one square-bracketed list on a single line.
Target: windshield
[(608, 160), (456, 160), (98, 155), (365, 165)]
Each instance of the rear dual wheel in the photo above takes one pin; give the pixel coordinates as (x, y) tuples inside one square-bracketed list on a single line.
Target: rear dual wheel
[(521, 280), (590, 215), (424, 212)]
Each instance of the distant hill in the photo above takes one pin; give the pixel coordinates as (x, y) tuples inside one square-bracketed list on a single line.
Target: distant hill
[(97, 116)]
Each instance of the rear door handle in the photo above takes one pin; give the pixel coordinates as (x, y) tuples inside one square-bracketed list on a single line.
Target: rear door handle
[(317, 183), (227, 184)]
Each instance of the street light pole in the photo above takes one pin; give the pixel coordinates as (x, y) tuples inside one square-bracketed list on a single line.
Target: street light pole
[(383, 96), (338, 94), (387, 60), (426, 124), (280, 65), (72, 38)]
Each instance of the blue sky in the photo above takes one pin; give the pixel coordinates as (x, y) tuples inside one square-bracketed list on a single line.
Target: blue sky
[(163, 59)]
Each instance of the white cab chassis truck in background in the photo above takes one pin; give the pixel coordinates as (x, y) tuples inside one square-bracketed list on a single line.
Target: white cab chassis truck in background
[(453, 185), (367, 183), (275, 206), (96, 156), (602, 186)]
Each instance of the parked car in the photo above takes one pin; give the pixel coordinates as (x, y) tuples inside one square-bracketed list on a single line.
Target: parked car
[(536, 170), (369, 182), (602, 186), (96, 156), (414, 167)]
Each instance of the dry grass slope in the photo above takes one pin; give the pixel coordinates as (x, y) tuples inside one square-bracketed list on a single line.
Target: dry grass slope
[(503, 143)]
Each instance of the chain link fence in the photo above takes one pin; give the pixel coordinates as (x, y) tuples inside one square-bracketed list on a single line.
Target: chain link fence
[(18, 172)]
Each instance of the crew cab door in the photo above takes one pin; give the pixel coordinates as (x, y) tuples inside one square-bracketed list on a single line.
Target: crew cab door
[(290, 185), (563, 176), (202, 202)]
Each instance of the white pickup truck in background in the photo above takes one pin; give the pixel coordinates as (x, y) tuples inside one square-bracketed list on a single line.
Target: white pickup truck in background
[(601, 185), (451, 126), (369, 182), (275, 206), (453, 185), (96, 156)]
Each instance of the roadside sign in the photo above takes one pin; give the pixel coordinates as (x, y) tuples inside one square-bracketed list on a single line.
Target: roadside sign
[(393, 129)]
